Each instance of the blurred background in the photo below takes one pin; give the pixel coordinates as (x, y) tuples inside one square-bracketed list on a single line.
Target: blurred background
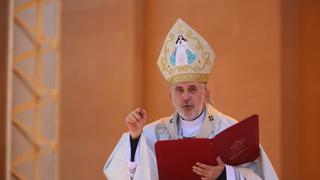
[(71, 71)]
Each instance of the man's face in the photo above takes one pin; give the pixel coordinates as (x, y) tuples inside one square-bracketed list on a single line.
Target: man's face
[(189, 99)]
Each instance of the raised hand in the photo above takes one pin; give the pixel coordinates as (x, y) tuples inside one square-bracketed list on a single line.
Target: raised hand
[(136, 121)]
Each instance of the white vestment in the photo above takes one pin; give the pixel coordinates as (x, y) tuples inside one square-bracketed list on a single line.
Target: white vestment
[(144, 167)]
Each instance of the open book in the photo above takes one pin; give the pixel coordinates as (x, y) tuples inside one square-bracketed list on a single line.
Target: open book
[(235, 145)]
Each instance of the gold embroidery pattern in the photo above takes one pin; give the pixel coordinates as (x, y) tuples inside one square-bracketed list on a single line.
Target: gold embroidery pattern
[(187, 77), (238, 148), (204, 54), (201, 63), (166, 67)]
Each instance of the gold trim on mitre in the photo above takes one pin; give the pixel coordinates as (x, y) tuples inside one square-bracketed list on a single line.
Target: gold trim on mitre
[(175, 79), (185, 56)]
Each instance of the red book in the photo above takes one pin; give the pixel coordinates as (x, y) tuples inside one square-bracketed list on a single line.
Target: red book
[(235, 145)]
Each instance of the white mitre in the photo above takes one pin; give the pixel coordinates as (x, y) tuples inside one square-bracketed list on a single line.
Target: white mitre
[(185, 55)]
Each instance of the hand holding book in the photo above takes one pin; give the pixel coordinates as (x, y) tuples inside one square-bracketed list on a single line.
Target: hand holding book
[(235, 145)]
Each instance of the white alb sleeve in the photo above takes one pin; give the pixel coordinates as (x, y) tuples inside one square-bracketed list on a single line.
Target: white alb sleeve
[(132, 165)]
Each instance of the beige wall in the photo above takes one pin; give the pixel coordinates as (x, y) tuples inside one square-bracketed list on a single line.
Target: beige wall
[(290, 89), (266, 64), (101, 79)]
